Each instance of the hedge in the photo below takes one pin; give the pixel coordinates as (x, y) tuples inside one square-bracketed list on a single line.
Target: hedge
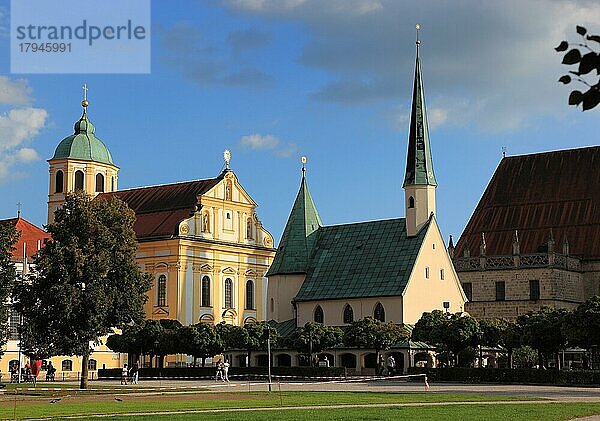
[(251, 372), (506, 375)]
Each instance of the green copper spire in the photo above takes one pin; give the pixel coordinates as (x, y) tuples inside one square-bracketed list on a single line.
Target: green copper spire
[(299, 234), (419, 166)]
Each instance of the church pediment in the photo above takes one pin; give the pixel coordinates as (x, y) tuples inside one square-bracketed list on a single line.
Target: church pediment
[(229, 271)]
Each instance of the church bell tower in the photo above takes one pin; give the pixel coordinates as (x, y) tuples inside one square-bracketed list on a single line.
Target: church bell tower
[(81, 161), (419, 181)]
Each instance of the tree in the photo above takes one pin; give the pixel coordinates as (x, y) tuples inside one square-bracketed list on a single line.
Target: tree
[(448, 332), (86, 281), (372, 334), (501, 332), (8, 275), (543, 330), (315, 337), (200, 341), (588, 61), (583, 326), (256, 339)]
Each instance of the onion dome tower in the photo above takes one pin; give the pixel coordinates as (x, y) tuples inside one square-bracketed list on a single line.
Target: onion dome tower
[(81, 161)]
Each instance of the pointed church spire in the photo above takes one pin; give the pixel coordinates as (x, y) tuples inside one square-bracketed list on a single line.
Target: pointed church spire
[(299, 234), (419, 165)]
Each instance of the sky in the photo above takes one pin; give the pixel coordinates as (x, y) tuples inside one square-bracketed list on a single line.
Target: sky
[(273, 80)]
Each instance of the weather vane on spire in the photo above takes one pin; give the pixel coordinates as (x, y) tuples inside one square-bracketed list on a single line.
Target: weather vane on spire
[(227, 158), (303, 160), (418, 27), (85, 102)]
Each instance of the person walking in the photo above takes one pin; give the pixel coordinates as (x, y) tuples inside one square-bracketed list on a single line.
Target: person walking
[(134, 373), (226, 371), (124, 374), (391, 365), (36, 365), (219, 374)]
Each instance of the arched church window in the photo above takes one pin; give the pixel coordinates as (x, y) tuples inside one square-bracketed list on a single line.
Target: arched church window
[(411, 202), (250, 295), (379, 313), (78, 180), (348, 314), (99, 183), (205, 222), (59, 182), (112, 184), (162, 291), (205, 291), (249, 229), (228, 293), (318, 316)]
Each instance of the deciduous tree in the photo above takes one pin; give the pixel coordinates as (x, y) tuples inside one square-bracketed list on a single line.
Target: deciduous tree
[(86, 280), (8, 275)]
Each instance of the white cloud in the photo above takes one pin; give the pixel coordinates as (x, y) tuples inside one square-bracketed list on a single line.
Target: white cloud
[(14, 92), (490, 64), (18, 127), (257, 141), (269, 143)]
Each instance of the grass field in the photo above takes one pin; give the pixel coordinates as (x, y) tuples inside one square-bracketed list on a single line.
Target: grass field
[(84, 405)]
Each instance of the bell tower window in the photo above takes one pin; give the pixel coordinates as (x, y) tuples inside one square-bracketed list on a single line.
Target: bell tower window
[(78, 180), (99, 183), (411, 202), (59, 182)]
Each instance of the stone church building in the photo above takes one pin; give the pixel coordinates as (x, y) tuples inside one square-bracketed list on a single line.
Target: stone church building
[(534, 238)]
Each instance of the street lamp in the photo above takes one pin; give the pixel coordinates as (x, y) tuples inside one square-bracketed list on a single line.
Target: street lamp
[(480, 340)]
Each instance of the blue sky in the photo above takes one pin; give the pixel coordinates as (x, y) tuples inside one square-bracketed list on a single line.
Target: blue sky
[(274, 80)]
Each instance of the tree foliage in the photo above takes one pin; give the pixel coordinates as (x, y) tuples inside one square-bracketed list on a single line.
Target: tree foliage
[(86, 280), (200, 341), (314, 337), (544, 330), (369, 333), (587, 60), (583, 327), (8, 275), (448, 332)]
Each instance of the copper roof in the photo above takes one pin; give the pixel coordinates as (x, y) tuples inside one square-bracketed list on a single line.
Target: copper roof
[(30, 235), (160, 209), (558, 191)]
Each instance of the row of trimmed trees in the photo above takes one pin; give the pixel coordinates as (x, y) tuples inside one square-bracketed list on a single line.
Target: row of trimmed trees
[(158, 338), (546, 331)]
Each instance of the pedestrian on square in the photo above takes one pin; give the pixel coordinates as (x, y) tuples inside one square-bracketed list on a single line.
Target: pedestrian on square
[(220, 369), (391, 365), (226, 371), (124, 374)]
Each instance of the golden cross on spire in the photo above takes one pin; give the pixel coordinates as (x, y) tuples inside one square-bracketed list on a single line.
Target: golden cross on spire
[(19, 205), (227, 158), (85, 102), (303, 160)]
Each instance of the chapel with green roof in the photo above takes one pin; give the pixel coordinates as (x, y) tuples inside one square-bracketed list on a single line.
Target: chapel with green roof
[(392, 270)]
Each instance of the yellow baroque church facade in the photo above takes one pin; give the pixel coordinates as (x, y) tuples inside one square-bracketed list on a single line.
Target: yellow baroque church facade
[(201, 240)]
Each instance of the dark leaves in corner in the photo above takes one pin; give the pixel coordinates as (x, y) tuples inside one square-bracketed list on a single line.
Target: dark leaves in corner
[(572, 57), (575, 98), (590, 99), (563, 46), (565, 79), (581, 30)]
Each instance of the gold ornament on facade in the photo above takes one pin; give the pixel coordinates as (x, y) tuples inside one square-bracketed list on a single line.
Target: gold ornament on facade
[(268, 242), (184, 229)]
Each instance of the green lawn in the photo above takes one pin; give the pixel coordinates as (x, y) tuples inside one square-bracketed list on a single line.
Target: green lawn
[(31, 407), (66, 388), (498, 412)]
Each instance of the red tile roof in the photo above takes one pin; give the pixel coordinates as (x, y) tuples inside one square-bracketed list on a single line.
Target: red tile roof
[(535, 193), (30, 235), (160, 209)]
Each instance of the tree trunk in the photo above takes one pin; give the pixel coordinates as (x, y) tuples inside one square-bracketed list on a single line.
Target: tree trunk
[(540, 360), (249, 352), (510, 358), (203, 361), (84, 372)]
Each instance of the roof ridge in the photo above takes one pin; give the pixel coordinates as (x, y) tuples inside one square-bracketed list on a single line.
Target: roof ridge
[(167, 184), (365, 222), (555, 152)]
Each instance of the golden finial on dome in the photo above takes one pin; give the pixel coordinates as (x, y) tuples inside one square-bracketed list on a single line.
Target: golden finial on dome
[(227, 158), (85, 102)]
